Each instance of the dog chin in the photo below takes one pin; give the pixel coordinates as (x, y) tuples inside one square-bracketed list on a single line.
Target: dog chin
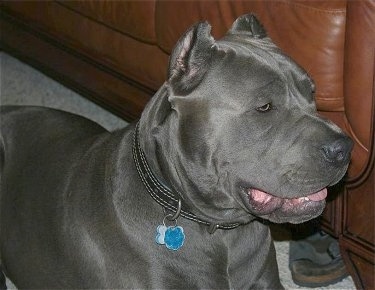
[(280, 210), (282, 217)]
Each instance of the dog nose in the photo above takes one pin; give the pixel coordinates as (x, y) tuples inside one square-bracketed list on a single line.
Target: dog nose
[(338, 151)]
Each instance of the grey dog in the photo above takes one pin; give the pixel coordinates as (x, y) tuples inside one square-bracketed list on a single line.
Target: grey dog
[(178, 199)]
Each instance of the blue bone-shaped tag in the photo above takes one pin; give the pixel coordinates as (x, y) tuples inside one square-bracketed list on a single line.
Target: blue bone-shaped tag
[(172, 237)]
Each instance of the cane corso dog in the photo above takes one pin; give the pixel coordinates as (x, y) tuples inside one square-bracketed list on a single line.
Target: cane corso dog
[(178, 199)]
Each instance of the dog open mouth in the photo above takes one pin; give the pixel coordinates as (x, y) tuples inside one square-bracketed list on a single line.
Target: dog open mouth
[(264, 203)]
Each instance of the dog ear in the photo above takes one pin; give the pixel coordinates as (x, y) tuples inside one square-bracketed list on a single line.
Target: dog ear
[(248, 25), (190, 58)]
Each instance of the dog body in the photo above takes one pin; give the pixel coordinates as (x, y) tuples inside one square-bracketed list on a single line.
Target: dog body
[(233, 135), (91, 223)]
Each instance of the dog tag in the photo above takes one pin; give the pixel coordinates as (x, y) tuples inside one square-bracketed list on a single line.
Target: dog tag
[(172, 237), (160, 234)]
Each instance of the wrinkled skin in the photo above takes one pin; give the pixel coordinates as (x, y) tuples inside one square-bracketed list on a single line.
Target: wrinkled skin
[(234, 130)]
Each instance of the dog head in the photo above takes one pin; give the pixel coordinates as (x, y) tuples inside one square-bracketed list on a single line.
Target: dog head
[(235, 129)]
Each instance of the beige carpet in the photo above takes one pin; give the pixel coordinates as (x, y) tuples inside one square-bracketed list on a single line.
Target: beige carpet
[(21, 84)]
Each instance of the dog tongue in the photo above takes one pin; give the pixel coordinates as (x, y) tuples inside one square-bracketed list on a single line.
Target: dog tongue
[(318, 195)]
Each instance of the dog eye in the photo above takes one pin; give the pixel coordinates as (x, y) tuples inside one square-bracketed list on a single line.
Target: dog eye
[(265, 108)]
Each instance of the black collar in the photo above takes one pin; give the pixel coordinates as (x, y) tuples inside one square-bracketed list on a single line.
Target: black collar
[(161, 193)]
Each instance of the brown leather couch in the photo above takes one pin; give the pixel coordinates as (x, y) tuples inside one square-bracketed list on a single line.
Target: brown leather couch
[(116, 53)]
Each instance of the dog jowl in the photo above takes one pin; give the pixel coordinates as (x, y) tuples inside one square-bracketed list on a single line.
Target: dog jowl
[(232, 136)]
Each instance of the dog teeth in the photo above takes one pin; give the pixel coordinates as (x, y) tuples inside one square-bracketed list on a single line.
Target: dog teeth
[(303, 199)]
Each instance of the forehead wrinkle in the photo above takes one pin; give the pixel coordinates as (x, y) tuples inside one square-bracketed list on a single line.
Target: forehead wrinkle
[(293, 75), (259, 51), (257, 70)]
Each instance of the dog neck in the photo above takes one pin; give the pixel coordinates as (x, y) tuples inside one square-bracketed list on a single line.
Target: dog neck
[(162, 194)]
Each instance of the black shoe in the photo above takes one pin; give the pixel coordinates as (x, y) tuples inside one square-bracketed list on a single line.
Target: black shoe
[(316, 261)]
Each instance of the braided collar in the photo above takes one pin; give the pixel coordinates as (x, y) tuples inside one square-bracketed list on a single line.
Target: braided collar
[(162, 194)]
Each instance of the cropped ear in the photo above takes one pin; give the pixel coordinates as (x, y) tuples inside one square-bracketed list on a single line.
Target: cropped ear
[(248, 25), (190, 58)]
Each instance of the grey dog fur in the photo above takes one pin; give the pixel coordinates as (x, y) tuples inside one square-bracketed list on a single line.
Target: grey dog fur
[(74, 212)]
